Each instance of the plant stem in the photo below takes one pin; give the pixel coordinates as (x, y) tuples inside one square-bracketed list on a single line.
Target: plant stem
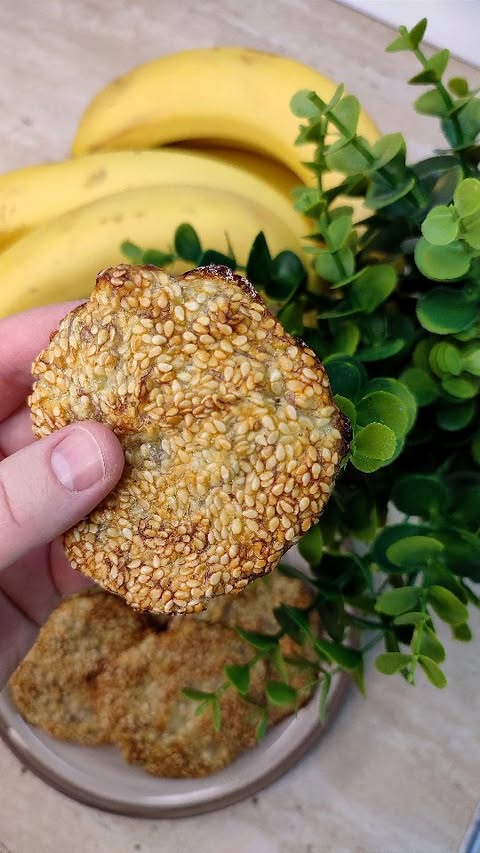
[(373, 642), (414, 195), (324, 223), (363, 623), (449, 103)]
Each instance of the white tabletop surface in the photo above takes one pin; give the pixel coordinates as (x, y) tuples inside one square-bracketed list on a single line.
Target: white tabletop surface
[(399, 772)]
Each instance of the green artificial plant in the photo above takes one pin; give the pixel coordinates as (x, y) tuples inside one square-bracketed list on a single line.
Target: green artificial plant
[(395, 318)]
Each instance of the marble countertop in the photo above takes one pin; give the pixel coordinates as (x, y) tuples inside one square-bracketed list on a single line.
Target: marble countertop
[(399, 772)]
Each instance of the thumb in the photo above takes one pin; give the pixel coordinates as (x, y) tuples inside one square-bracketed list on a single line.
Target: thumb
[(48, 486)]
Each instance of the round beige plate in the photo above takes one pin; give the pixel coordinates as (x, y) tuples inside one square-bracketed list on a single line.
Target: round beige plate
[(99, 777)]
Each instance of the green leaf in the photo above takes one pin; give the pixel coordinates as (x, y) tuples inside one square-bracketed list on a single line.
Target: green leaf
[(387, 148), (417, 33), (444, 311), (381, 193), (470, 358), (311, 545), (292, 572), (374, 445), (430, 103), (441, 575), (294, 621), (291, 318), (402, 42), (467, 197), (419, 494), (462, 552), (388, 536), (302, 104), (368, 292), (432, 671), (339, 231), (310, 201), (281, 694), (346, 113), (444, 357), (427, 75), (358, 677), (187, 243), (346, 374), (391, 662), (457, 416), (131, 251), (442, 263), (412, 618), (349, 159), (346, 336), (431, 646), (216, 714), (324, 693), (197, 695), (259, 262), (447, 606), (261, 642), (211, 256), (421, 384), (262, 726), (346, 407), (385, 408), (239, 677), (332, 618), (421, 353), (459, 86), (279, 663), (438, 62), (380, 351), (441, 226), (471, 234), (469, 118), (414, 551), (335, 266), (344, 656), (158, 259), (462, 387), (400, 390), (397, 601), (462, 633), (287, 275)]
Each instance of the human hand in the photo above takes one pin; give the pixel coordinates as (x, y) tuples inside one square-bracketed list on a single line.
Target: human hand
[(46, 486)]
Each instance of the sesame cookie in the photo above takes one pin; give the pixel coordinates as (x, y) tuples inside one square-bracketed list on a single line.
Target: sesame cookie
[(231, 438)]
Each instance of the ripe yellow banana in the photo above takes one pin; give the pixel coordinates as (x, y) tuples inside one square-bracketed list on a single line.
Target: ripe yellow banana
[(269, 170), (232, 94), (31, 196), (59, 260)]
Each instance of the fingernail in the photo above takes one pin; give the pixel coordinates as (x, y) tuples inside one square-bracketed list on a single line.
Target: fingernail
[(77, 461)]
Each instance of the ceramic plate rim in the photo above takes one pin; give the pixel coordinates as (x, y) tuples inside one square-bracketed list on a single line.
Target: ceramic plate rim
[(282, 760)]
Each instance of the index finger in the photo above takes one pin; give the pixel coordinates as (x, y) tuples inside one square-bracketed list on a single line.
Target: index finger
[(22, 336)]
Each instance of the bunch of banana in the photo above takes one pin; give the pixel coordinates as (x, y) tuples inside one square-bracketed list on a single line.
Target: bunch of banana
[(59, 260), (61, 223), (30, 197), (225, 95)]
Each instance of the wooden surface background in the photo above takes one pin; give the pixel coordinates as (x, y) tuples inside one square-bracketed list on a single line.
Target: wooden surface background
[(400, 771)]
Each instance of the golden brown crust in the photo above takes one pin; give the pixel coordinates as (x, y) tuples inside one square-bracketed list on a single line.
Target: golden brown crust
[(53, 686), (139, 696), (231, 437), (252, 609), (140, 699)]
